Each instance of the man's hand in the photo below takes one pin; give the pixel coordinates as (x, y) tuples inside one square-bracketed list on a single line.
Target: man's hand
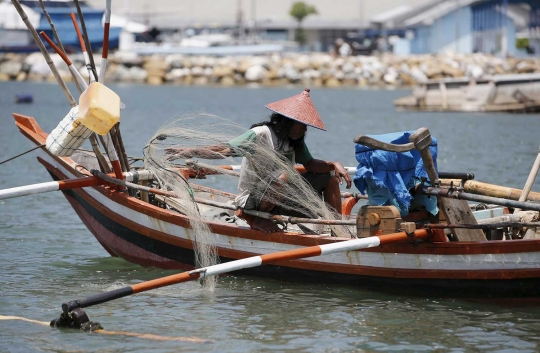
[(342, 174)]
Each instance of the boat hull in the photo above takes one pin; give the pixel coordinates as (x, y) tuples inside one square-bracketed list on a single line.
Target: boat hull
[(151, 236)]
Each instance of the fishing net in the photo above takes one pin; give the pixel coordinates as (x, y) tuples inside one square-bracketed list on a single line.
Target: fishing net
[(205, 138)]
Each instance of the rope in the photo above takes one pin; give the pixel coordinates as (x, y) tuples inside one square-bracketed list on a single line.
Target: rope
[(147, 336), (21, 154)]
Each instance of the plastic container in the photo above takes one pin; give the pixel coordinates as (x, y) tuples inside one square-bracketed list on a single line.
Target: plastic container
[(68, 135), (99, 108)]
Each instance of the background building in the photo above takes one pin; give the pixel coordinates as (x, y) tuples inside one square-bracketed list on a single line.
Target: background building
[(270, 20), (469, 26)]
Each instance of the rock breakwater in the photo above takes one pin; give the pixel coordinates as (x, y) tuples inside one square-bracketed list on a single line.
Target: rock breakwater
[(306, 69)]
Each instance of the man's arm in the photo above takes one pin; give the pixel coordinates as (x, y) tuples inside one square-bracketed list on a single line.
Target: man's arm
[(320, 166), (204, 152)]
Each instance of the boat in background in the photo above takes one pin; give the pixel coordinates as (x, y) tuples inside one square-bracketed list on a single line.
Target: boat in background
[(211, 44), (498, 93), (15, 38)]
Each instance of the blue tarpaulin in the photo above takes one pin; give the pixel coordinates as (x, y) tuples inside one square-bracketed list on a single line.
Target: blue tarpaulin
[(387, 177)]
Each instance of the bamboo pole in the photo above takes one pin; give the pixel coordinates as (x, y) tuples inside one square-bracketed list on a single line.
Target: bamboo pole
[(79, 81), (108, 144), (48, 59), (486, 189), (112, 148), (53, 28), (81, 85), (76, 76), (114, 137), (122, 147), (86, 40), (450, 194)]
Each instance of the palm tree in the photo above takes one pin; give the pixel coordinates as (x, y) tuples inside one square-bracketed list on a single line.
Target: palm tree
[(300, 10)]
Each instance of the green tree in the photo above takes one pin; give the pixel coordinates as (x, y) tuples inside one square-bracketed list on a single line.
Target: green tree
[(300, 10)]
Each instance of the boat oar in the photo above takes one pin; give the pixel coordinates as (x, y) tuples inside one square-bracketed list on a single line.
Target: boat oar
[(49, 186), (74, 317)]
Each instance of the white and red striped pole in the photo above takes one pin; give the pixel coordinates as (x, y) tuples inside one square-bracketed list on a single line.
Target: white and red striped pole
[(254, 261), (71, 184), (109, 146), (49, 186), (72, 69), (83, 47), (105, 50)]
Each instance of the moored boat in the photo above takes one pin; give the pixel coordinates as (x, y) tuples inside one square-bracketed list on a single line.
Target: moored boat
[(510, 93), (155, 234)]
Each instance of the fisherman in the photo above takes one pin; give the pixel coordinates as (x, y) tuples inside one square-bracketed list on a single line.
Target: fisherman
[(285, 133)]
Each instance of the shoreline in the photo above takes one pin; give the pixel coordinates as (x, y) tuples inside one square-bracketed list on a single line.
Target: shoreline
[(277, 70)]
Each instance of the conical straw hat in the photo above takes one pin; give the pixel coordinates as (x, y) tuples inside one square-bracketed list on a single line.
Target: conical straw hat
[(299, 108)]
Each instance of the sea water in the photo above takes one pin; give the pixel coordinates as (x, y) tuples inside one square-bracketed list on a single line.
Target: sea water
[(49, 257)]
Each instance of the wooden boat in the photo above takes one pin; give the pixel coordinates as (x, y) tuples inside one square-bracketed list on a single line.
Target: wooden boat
[(511, 93), (149, 235)]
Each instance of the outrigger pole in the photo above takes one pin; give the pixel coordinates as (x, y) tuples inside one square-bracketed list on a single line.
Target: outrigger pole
[(74, 317), (49, 186), (64, 185)]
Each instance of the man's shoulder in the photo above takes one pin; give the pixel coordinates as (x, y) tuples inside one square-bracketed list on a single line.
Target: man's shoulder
[(261, 130)]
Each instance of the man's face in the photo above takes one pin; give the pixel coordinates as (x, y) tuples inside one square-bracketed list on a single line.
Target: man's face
[(297, 130)]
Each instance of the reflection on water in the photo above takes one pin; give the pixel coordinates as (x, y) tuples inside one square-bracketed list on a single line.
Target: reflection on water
[(49, 257)]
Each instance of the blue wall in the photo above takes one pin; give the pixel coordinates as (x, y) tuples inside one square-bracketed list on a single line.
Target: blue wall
[(469, 29), (452, 32)]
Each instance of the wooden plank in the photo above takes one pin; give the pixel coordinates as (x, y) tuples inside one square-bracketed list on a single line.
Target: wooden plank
[(455, 211), (458, 211)]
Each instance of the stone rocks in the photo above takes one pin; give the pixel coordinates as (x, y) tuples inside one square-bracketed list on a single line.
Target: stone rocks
[(306, 69)]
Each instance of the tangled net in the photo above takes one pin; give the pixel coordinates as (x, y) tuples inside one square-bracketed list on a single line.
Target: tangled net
[(204, 135)]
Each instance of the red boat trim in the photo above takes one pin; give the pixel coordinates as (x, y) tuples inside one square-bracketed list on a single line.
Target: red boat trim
[(357, 270), (442, 248)]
